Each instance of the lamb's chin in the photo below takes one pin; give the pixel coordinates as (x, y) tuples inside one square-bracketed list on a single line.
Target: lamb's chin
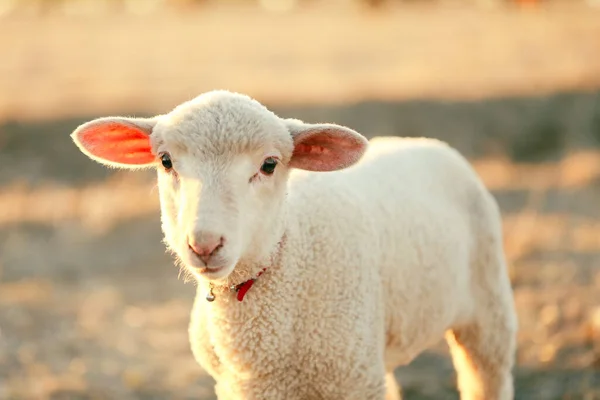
[(211, 273)]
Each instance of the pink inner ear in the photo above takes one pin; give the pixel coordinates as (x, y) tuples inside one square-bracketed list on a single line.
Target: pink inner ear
[(118, 143), (325, 151)]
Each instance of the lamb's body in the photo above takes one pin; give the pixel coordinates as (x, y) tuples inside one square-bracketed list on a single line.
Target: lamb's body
[(367, 265), (396, 249)]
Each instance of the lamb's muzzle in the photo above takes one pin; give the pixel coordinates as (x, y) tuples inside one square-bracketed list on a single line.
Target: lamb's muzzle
[(205, 245)]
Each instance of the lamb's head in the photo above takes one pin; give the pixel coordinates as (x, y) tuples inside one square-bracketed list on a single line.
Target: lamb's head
[(222, 161)]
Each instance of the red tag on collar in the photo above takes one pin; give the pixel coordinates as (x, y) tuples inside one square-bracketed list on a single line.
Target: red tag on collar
[(243, 287)]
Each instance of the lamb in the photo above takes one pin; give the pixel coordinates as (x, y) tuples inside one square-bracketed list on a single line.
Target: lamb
[(323, 261)]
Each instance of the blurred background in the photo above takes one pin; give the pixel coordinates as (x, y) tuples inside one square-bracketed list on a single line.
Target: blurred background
[(91, 307)]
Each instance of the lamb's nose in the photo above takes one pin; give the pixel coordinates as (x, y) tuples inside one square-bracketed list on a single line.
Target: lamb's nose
[(205, 245)]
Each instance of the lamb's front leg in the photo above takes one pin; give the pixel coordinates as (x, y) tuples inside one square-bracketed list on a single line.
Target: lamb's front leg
[(259, 388)]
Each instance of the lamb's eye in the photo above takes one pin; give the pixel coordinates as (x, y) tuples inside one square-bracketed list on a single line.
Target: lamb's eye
[(165, 159), (268, 166)]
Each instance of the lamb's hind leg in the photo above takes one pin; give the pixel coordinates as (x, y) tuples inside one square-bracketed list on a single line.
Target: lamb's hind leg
[(483, 355), (392, 387)]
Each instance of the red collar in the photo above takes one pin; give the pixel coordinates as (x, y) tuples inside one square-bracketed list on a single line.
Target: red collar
[(243, 287)]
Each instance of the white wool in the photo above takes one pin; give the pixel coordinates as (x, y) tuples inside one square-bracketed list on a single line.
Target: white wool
[(395, 246)]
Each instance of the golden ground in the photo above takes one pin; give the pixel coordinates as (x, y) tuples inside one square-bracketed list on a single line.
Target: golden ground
[(91, 307)]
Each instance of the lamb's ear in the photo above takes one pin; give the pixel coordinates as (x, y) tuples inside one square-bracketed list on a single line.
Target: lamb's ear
[(324, 147), (117, 141)]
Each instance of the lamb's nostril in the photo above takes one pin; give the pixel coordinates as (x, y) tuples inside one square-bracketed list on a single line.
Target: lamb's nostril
[(207, 246)]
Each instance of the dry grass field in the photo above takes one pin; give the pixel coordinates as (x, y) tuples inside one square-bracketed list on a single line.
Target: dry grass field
[(91, 306)]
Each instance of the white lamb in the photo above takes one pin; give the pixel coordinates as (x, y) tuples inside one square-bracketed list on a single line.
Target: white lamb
[(317, 285)]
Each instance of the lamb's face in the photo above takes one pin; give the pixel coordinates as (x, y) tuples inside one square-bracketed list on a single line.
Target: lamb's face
[(222, 179), (222, 161)]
